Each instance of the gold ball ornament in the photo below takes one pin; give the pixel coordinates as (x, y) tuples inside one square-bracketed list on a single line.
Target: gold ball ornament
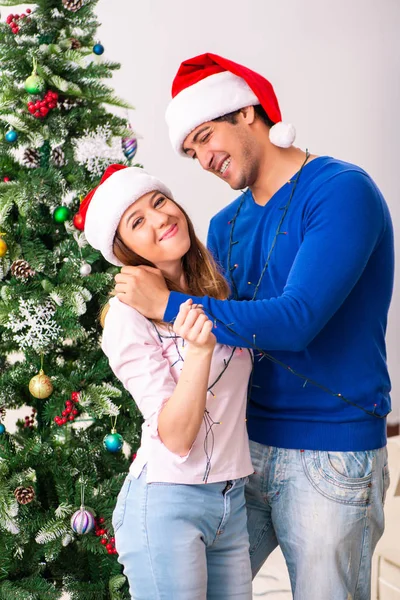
[(3, 246), (40, 386)]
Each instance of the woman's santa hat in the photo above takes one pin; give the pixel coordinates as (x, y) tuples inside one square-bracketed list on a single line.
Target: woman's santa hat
[(208, 86), (101, 210)]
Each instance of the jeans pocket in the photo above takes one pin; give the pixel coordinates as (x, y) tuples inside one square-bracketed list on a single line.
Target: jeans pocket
[(344, 477), (119, 510)]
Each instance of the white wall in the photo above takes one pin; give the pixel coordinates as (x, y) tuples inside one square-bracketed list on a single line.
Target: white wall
[(335, 67)]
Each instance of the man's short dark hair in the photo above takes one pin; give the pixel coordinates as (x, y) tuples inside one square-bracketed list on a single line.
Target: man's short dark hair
[(232, 117)]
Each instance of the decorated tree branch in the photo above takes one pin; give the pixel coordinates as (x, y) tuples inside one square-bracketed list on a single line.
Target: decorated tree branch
[(61, 469)]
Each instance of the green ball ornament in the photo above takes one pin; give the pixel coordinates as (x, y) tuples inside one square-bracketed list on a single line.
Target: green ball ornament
[(61, 214), (35, 84), (113, 442)]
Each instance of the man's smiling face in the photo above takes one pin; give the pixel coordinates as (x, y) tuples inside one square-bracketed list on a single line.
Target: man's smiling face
[(228, 150)]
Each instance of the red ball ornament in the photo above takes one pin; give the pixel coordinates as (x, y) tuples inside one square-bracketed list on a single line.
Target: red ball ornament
[(6, 179), (79, 222), (103, 541)]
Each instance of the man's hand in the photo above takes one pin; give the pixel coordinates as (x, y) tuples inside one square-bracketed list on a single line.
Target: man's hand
[(143, 288)]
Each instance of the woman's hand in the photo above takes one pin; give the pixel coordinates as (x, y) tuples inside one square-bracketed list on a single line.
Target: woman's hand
[(193, 325)]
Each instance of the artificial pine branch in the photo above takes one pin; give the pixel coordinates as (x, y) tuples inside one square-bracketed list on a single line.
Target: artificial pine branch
[(42, 173)]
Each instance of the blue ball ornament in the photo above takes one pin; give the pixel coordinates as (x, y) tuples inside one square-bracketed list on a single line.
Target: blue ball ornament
[(2, 429), (82, 521), (113, 442), (11, 136), (98, 49)]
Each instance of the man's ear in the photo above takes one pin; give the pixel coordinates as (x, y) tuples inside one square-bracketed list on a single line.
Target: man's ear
[(248, 114)]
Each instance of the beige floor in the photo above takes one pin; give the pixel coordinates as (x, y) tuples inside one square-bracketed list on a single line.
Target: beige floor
[(272, 582)]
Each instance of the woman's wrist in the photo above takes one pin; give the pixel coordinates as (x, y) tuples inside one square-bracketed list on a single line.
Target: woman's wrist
[(199, 351)]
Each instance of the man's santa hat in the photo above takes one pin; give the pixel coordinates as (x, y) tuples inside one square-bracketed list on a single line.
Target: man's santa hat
[(101, 210), (208, 86)]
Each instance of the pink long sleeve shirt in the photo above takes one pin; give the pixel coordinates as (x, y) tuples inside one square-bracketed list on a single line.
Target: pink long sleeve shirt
[(148, 360)]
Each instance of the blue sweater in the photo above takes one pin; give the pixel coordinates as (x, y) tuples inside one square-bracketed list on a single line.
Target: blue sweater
[(321, 308)]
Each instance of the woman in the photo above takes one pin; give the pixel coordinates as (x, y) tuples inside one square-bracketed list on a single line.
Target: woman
[(180, 520)]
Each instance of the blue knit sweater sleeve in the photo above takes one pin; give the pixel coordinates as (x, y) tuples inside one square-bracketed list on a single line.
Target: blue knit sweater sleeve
[(342, 225)]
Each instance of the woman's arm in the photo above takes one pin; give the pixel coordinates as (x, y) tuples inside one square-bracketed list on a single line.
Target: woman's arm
[(173, 411), (181, 417)]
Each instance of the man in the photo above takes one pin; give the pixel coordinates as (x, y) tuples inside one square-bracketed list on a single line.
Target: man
[(308, 251)]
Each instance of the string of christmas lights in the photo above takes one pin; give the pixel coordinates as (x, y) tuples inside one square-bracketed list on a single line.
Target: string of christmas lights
[(261, 353)]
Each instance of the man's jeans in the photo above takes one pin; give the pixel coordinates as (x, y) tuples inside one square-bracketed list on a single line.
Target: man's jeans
[(325, 511)]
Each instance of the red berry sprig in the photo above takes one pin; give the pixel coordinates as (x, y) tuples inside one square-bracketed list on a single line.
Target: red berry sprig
[(70, 412), (106, 540), (30, 421), (12, 20), (40, 108)]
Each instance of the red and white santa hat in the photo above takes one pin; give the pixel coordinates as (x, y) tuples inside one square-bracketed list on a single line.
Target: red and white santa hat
[(208, 86), (101, 210)]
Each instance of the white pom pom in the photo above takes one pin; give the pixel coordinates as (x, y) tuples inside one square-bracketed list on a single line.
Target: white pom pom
[(282, 134)]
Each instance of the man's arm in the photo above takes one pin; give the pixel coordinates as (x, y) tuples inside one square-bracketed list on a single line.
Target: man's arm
[(341, 231)]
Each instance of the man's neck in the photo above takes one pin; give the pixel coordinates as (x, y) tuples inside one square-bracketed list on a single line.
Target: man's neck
[(278, 167)]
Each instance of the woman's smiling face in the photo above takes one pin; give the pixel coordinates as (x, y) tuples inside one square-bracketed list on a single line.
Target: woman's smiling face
[(155, 228)]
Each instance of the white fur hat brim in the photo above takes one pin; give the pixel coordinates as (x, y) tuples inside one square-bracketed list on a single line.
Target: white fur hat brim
[(110, 201), (208, 99)]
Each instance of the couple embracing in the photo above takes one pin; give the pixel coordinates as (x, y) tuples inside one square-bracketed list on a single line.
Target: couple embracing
[(258, 363)]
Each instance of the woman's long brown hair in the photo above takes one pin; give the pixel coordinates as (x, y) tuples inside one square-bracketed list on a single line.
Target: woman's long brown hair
[(201, 272)]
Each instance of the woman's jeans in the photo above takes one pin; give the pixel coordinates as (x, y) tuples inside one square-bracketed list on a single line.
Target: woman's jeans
[(183, 542), (325, 510)]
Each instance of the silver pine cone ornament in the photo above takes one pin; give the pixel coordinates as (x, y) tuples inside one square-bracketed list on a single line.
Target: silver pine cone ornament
[(73, 5), (24, 495), (58, 157), (31, 158), (75, 44), (66, 103), (21, 269)]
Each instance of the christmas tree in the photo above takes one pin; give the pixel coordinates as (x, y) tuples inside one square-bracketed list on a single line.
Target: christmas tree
[(61, 470)]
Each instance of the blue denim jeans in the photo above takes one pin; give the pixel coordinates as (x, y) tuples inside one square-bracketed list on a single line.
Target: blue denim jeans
[(183, 542), (325, 511)]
